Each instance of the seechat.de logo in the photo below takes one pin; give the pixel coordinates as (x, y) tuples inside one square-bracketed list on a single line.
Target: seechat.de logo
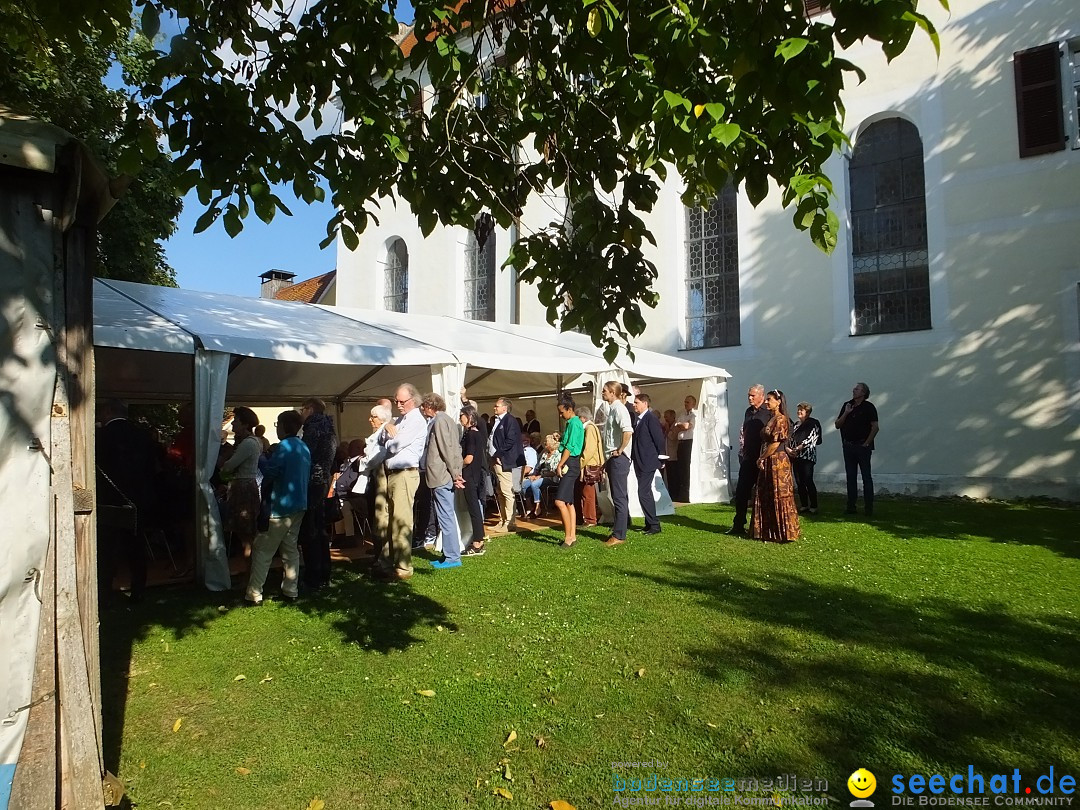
[(862, 784)]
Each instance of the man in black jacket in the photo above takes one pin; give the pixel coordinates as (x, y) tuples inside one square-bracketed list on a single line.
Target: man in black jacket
[(321, 439), (648, 446), (504, 447), (754, 420)]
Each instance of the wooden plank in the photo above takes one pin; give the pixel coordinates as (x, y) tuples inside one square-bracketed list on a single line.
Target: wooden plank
[(76, 355), (79, 747), (35, 785)]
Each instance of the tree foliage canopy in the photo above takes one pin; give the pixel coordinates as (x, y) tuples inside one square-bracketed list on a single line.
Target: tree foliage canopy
[(596, 100), (63, 83)]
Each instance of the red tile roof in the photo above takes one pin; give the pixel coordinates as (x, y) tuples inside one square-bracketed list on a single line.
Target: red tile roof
[(309, 291), (409, 42)]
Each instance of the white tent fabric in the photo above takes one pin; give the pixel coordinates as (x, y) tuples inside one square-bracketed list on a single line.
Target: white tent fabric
[(28, 378), (211, 376), (166, 344)]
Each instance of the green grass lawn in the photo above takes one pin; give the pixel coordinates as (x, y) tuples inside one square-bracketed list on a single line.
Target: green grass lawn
[(945, 633)]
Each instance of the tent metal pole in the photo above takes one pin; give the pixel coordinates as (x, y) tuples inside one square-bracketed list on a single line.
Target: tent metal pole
[(358, 383)]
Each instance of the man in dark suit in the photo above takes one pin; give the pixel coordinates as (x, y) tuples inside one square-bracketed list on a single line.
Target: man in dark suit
[(648, 446), (754, 420), (506, 452)]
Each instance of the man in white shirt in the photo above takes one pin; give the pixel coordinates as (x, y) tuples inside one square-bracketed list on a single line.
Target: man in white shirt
[(617, 434), (680, 490), (404, 440)]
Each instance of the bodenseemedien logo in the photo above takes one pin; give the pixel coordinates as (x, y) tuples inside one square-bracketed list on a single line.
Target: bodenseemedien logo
[(862, 785)]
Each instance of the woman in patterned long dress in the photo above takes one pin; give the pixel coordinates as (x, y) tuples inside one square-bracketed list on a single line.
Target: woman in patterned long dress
[(776, 517)]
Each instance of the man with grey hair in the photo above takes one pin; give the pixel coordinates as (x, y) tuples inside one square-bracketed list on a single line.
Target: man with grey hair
[(504, 448), (403, 441), (442, 474), (754, 420), (858, 425)]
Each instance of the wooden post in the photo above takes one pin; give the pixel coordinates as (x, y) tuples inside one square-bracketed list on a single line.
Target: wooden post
[(76, 355)]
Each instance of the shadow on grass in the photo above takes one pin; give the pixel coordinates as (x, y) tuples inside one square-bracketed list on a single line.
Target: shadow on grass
[(894, 683), (1050, 525), (379, 617)]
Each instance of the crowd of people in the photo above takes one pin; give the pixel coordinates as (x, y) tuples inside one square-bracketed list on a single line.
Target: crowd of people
[(402, 481), (777, 458)]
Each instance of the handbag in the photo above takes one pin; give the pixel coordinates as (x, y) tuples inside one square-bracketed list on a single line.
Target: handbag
[(592, 474), (122, 517)]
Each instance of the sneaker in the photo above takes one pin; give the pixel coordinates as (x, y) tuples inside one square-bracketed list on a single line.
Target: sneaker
[(474, 551), (440, 564)]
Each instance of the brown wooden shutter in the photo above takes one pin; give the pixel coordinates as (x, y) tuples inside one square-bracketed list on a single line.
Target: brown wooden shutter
[(815, 7), (1040, 115)]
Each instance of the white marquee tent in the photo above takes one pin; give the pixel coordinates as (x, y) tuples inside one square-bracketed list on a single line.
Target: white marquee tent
[(165, 344)]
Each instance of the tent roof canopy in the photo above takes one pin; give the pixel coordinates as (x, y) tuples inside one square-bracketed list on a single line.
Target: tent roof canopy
[(286, 349)]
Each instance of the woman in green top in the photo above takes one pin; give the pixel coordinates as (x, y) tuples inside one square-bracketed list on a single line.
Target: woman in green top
[(573, 440)]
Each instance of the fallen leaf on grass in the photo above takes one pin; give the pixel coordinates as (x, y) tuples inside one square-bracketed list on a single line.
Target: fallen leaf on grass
[(177, 724), (711, 725), (509, 777), (142, 763), (426, 692), (243, 771), (506, 794), (559, 804), (640, 673), (510, 738), (240, 678), (267, 679), (541, 742), (316, 804)]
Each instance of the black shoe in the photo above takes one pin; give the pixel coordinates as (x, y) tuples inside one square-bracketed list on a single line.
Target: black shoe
[(736, 531), (651, 531)]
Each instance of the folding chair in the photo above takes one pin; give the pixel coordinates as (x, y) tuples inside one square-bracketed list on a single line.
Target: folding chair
[(519, 493)]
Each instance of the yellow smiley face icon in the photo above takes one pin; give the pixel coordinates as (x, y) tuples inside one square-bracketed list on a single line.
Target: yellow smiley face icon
[(861, 783)]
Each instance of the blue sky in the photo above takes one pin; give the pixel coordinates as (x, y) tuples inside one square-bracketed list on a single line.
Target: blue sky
[(212, 262)]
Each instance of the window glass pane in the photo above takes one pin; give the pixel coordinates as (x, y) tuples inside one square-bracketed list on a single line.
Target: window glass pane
[(712, 273), (396, 282), (480, 278), (891, 278)]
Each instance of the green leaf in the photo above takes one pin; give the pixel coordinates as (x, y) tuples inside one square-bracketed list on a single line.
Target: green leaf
[(206, 220), (790, 48), (151, 21), (823, 232), (232, 222), (924, 23), (675, 100), (727, 134), (349, 237), (715, 110)]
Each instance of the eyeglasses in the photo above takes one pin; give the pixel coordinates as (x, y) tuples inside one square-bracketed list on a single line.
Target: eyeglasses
[(401, 401)]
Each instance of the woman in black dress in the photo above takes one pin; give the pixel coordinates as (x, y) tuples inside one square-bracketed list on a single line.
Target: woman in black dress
[(474, 465)]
